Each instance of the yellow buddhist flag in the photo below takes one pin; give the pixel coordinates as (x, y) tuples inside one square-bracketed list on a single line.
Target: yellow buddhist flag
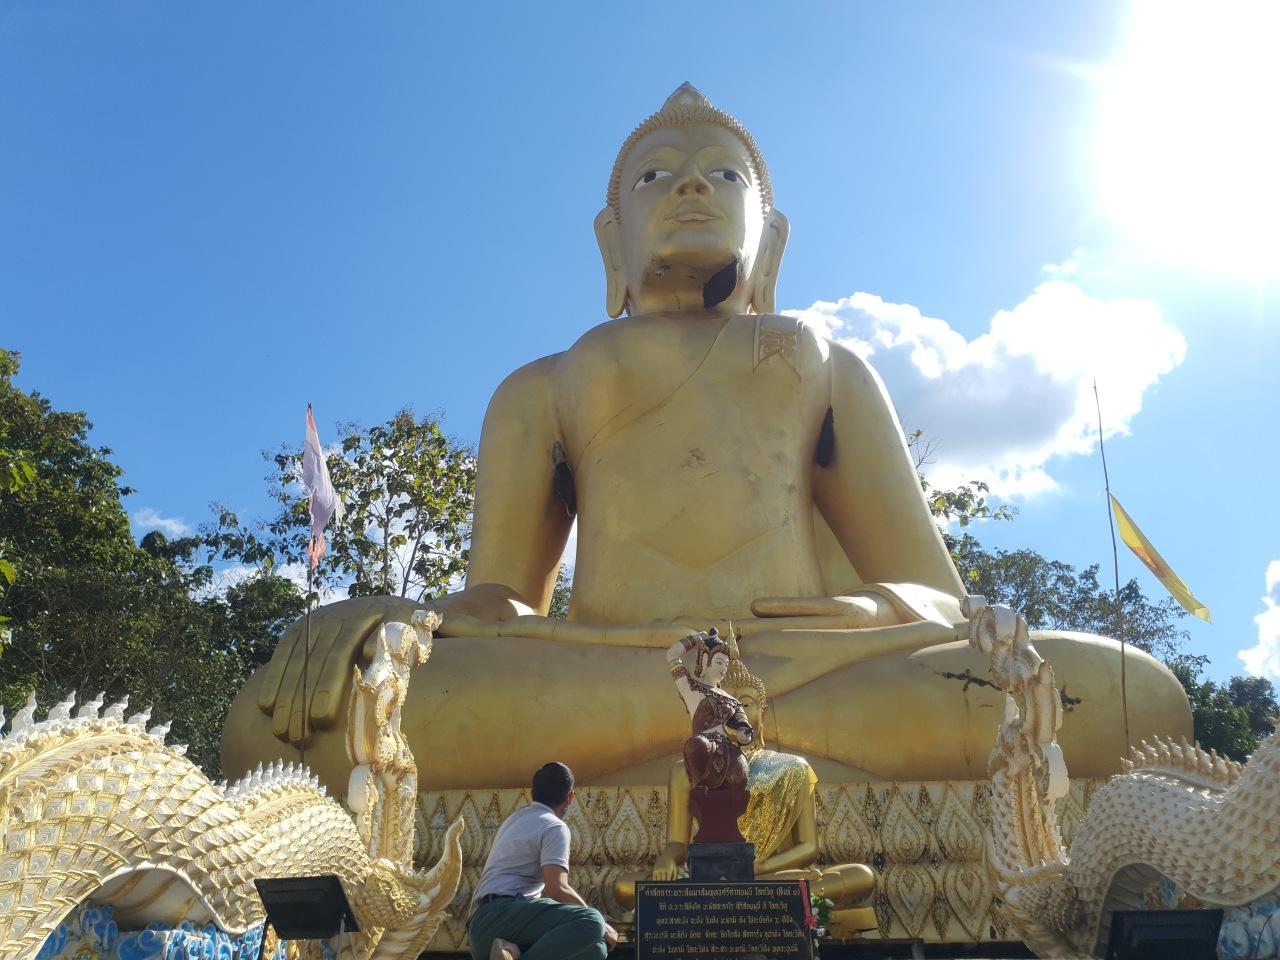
[(1148, 554)]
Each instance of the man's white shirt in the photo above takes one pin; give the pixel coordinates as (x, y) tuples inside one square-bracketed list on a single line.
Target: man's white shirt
[(531, 838)]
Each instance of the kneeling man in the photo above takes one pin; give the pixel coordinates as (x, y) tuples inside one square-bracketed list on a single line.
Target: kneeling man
[(523, 904)]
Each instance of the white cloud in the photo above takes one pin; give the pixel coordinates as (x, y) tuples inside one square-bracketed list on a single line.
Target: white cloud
[(297, 573), (1264, 659), (1001, 406), (149, 519), (1069, 267), (229, 576), (225, 578)]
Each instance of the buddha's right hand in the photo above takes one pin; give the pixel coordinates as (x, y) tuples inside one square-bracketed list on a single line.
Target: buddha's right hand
[(338, 632), (664, 868), (342, 634)]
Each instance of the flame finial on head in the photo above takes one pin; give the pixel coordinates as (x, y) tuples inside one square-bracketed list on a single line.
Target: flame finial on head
[(739, 677), (687, 107)]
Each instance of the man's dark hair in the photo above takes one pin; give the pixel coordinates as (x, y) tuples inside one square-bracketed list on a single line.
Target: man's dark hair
[(552, 783)]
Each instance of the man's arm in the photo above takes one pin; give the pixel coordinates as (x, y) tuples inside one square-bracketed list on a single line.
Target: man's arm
[(870, 494), (520, 526), (556, 879)]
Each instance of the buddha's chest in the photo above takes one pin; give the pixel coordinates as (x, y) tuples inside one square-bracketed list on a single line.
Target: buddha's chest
[(662, 399)]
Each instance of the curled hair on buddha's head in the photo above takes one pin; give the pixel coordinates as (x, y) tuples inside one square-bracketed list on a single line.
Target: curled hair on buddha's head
[(739, 677), (688, 107), (709, 644), (552, 784)]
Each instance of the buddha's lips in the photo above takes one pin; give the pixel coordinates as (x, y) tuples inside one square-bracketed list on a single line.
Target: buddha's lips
[(691, 215)]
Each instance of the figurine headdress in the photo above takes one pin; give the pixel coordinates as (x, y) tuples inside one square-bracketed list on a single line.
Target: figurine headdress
[(687, 107), (739, 676), (709, 644)]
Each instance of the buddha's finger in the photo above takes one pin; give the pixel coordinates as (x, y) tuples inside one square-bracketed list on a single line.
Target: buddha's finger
[(332, 652), (288, 657), (799, 607), (301, 676), (273, 673), (465, 625), (298, 728), (764, 625), (340, 642), (280, 714)]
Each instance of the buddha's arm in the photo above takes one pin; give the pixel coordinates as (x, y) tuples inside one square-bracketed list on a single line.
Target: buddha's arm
[(520, 526), (870, 494)]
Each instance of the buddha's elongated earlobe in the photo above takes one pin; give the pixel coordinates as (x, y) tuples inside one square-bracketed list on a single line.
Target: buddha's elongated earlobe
[(615, 273), (764, 273)]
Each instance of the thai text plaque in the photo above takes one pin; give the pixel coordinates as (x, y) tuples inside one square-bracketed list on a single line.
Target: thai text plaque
[(762, 920)]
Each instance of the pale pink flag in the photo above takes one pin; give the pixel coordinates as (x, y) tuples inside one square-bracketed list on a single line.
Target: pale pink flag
[(324, 500)]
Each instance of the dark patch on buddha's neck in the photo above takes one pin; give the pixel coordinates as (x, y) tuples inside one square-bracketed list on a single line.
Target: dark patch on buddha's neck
[(720, 287)]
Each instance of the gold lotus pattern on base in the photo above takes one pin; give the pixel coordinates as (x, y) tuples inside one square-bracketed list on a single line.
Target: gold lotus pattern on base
[(924, 839)]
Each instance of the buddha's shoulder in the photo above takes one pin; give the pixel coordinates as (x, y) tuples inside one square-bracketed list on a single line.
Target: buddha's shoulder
[(535, 376), (780, 333), (602, 337), (779, 325)]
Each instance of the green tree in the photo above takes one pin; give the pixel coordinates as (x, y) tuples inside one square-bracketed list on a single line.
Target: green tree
[(16, 471), (560, 594), (408, 492), (92, 610), (1231, 718), (1053, 595)]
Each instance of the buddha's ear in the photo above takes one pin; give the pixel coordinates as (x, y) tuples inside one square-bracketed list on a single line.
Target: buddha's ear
[(608, 236), (764, 274)]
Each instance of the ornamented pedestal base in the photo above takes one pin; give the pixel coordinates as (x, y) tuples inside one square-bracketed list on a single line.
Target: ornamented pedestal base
[(925, 841)]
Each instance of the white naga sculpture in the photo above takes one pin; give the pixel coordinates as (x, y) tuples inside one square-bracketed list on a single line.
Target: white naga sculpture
[(96, 807), (1178, 813)]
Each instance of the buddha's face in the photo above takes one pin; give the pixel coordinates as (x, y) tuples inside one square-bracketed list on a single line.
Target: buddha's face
[(716, 668), (690, 206)]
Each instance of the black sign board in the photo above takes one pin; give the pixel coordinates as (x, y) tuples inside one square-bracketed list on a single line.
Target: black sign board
[(761, 920)]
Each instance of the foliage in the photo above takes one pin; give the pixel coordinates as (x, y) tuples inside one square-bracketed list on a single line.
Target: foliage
[(408, 492), (16, 471), (822, 908), (960, 505), (1053, 595), (1231, 718), (560, 595), (1257, 698), (92, 610)]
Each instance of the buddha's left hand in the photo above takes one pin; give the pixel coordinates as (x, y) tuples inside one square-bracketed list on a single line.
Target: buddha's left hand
[(826, 613)]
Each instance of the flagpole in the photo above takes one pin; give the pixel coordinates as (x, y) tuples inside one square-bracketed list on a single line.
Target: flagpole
[(324, 505), (306, 659), (1115, 566)]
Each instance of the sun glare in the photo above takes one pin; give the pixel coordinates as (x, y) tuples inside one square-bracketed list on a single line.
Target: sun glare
[(1188, 139)]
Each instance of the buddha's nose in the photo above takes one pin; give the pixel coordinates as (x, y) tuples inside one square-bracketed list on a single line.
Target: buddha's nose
[(692, 182)]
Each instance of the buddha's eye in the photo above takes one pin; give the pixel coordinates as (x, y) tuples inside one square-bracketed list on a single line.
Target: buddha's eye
[(649, 177), (733, 176)]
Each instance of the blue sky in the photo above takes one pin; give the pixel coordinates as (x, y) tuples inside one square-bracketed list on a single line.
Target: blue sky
[(210, 215)]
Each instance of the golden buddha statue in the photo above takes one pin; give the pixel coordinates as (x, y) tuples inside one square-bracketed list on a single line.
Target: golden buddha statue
[(781, 819), (724, 463)]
